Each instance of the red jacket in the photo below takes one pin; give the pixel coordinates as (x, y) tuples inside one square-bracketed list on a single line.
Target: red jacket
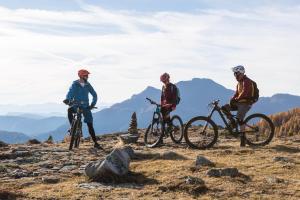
[(168, 95), (244, 91)]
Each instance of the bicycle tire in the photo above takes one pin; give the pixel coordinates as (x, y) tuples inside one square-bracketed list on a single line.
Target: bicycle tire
[(78, 135), (159, 137), (173, 137), (73, 132), (269, 123), (188, 127)]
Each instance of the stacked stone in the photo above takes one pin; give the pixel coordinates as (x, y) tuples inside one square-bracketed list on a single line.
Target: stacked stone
[(133, 134)]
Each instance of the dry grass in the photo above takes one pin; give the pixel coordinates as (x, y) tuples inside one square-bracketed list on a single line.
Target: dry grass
[(162, 178)]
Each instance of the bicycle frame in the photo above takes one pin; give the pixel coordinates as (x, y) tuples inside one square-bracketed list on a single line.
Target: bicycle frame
[(218, 109)]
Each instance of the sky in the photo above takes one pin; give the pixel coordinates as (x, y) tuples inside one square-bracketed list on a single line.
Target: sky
[(128, 44)]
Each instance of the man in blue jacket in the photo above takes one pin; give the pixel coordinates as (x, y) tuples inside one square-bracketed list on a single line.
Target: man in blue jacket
[(79, 92)]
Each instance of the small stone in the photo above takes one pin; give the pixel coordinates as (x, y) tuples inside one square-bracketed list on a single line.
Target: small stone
[(214, 173), (282, 159), (129, 139), (232, 172), (46, 164), (202, 161), (274, 180), (33, 141), (50, 179), (171, 155), (194, 181), (3, 169), (68, 168), (19, 173), (21, 154), (3, 144)]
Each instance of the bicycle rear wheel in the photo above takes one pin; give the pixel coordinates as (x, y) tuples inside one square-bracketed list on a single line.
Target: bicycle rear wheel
[(201, 133), (177, 129), (259, 130), (153, 134)]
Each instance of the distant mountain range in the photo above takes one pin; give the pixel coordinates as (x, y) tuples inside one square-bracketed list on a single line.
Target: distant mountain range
[(30, 126), (13, 137), (195, 95)]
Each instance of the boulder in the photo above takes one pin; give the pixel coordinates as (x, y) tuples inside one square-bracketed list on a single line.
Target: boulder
[(115, 165)]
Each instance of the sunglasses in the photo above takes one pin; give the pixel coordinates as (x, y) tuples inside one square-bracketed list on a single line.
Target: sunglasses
[(236, 74)]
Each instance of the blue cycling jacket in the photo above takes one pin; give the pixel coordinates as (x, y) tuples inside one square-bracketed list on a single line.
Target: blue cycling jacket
[(81, 94)]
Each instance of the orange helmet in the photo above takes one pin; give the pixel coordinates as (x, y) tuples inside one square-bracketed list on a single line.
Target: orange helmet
[(83, 72), (164, 77)]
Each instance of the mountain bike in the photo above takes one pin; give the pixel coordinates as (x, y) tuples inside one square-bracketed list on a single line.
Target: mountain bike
[(76, 126), (156, 131), (201, 132)]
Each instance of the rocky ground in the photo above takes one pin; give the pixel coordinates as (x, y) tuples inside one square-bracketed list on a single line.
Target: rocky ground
[(50, 171)]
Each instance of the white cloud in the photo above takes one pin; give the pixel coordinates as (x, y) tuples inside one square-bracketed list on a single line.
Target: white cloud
[(127, 51)]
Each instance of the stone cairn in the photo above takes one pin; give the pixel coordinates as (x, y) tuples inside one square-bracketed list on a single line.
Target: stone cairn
[(133, 135)]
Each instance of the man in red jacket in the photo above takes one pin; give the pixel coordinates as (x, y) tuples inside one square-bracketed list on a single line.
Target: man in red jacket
[(168, 98), (242, 99)]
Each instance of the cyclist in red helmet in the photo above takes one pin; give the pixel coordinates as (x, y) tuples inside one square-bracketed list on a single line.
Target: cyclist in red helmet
[(168, 98), (79, 91)]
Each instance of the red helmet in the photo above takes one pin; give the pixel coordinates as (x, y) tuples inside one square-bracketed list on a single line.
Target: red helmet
[(83, 72), (164, 77)]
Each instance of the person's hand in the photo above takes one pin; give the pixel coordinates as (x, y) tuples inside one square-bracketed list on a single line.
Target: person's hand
[(91, 107), (233, 101), (167, 105), (66, 101)]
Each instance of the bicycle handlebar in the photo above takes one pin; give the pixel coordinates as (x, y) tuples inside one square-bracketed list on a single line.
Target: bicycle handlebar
[(76, 103), (152, 102), (214, 103)]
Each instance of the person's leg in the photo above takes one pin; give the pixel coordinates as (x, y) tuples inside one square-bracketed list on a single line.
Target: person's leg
[(88, 119), (166, 116), (227, 108), (92, 132), (241, 113)]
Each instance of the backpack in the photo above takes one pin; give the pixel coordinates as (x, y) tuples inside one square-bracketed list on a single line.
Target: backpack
[(178, 98), (255, 93)]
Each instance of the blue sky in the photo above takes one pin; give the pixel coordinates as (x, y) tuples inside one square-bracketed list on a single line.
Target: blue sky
[(127, 44)]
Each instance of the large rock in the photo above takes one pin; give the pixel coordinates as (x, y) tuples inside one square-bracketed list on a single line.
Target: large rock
[(116, 164)]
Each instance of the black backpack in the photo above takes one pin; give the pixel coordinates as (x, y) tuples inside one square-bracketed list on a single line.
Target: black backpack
[(178, 98)]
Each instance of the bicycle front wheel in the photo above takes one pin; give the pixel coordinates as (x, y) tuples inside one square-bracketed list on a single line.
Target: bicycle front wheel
[(201, 133), (78, 135), (153, 134), (259, 130), (73, 134), (177, 129)]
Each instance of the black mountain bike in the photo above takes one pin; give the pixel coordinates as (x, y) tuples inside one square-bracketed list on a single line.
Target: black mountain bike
[(156, 131), (201, 132), (76, 127)]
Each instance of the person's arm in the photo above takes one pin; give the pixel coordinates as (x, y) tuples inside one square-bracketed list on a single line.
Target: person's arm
[(94, 94), (236, 93), (71, 92)]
